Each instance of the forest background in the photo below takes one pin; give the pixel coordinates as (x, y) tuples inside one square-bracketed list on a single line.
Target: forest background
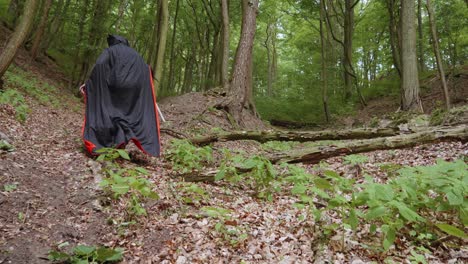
[(313, 61)]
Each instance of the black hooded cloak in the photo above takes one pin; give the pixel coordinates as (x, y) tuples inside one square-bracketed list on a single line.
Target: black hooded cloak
[(120, 101)]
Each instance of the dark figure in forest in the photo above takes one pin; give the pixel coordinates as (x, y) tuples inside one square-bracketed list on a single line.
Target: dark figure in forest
[(120, 101)]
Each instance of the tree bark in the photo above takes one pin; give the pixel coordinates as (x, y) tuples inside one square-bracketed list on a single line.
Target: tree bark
[(172, 59), (162, 35), (225, 43), (316, 154), (324, 63), (19, 35), (409, 61), (435, 45), (394, 36), (422, 66), (240, 93), (40, 29), (348, 48), (265, 136)]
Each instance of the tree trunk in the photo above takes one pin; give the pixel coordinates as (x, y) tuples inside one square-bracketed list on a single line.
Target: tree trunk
[(435, 45), (76, 58), (173, 41), (324, 63), (265, 136), (40, 29), (162, 35), (394, 36), (409, 61), (19, 35), (56, 25), (225, 43), (348, 48), (240, 93), (122, 6), (316, 154), (422, 66)]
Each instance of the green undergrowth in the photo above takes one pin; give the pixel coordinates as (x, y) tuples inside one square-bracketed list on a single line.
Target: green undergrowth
[(420, 204), (125, 183), (83, 254), (19, 83)]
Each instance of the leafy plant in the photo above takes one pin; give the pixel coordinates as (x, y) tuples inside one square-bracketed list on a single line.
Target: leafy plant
[(355, 159), (191, 193), (225, 226), (402, 206), (185, 157), (257, 170), (128, 182), (9, 187), (82, 254)]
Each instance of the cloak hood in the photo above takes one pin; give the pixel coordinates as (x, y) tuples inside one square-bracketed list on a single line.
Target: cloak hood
[(116, 39)]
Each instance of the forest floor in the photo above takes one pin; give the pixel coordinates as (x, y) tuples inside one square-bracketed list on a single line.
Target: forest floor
[(50, 196)]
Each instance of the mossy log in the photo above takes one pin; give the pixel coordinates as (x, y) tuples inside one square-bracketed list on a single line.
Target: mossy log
[(300, 136), (316, 154)]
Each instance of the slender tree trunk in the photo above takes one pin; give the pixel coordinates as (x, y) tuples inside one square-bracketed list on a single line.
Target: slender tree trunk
[(76, 57), (394, 36), (225, 43), (348, 48), (18, 37), (122, 6), (162, 35), (422, 66), (435, 45), (409, 61), (14, 11), (324, 63), (240, 93), (41, 29), (56, 26), (173, 44)]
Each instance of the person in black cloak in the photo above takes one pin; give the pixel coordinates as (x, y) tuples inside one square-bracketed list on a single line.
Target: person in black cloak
[(120, 101)]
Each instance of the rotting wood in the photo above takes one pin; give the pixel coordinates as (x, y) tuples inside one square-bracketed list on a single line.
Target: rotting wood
[(265, 136), (316, 154)]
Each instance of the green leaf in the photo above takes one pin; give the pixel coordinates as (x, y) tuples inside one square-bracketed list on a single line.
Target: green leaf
[(120, 188), (83, 250), (452, 230), (383, 192), (220, 175), (406, 212), (353, 221), (322, 184), (376, 212), (142, 170), (390, 236), (123, 154), (107, 254), (58, 256), (455, 197), (298, 189)]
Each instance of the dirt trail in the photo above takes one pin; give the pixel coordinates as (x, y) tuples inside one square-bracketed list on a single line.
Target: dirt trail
[(52, 200)]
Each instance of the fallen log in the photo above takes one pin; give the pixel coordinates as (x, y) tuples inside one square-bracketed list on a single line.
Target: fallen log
[(300, 136), (316, 154)]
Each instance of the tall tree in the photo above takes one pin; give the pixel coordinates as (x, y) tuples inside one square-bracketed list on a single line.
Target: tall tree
[(161, 47), (40, 29), (435, 45), (420, 38), (409, 61), (324, 62), (394, 33), (225, 43), (18, 37), (173, 44), (240, 92)]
